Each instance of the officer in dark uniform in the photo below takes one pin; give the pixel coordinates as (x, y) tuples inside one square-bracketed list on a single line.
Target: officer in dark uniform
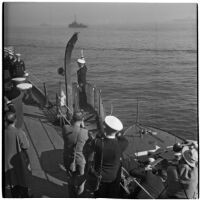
[(9, 64), (6, 72), (81, 75), (19, 67)]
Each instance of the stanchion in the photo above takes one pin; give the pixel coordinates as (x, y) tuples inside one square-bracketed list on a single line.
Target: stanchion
[(46, 105)]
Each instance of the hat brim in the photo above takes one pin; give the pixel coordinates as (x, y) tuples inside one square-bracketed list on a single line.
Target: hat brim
[(113, 123), (184, 151), (81, 61)]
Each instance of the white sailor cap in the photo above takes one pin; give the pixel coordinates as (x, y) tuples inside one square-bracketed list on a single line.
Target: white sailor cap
[(81, 60), (114, 123), (18, 54), (10, 54)]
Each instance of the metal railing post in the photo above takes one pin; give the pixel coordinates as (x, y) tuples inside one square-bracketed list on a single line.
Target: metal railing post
[(45, 91), (46, 96), (77, 97), (100, 103), (56, 103), (94, 96)]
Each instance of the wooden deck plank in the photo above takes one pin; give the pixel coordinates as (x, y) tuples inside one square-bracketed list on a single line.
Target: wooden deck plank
[(53, 135), (38, 136), (48, 178), (34, 159)]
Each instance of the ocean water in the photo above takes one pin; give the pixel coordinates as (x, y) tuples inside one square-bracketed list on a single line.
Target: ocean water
[(155, 64)]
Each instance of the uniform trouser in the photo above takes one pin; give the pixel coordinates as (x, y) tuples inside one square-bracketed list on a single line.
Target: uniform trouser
[(82, 97), (110, 189), (77, 180)]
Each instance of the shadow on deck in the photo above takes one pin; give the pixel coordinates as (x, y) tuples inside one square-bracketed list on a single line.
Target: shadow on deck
[(48, 177)]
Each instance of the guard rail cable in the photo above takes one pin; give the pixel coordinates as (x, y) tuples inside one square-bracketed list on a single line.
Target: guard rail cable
[(37, 79), (68, 109), (63, 117)]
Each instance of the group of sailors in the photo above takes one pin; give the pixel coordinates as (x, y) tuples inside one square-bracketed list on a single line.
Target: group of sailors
[(102, 157), (92, 163), (179, 176), (16, 144), (13, 67), (14, 63)]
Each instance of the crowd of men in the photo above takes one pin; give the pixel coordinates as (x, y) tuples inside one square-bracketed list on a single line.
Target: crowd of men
[(179, 177), (13, 67), (16, 159), (14, 64)]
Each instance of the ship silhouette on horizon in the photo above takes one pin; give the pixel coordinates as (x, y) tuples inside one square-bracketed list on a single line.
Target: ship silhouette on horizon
[(74, 24)]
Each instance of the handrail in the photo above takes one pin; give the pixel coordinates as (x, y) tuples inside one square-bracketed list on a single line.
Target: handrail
[(94, 99), (37, 79)]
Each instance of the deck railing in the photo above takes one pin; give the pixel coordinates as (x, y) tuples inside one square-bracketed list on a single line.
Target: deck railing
[(94, 100), (40, 88)]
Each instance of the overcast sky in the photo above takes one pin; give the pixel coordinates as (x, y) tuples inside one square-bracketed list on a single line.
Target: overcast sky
[(29, 14)]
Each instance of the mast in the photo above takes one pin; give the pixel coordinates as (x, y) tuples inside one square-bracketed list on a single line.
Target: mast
[(67, 67)]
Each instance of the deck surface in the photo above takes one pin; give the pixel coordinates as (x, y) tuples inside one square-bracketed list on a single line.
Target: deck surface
[(48, 177), (142, 145)]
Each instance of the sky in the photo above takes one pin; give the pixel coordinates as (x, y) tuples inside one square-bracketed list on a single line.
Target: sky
[(96, 13)]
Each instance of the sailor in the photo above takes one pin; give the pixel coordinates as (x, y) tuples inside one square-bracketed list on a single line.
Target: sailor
[(6, 60), (182, 178), (81, 75), (75, 138), (19, 67), (107, 158), (8, 64), (16, 159), (7, 74)]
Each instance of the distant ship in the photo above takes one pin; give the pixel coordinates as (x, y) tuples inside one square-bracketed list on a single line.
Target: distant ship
[(74, 24)]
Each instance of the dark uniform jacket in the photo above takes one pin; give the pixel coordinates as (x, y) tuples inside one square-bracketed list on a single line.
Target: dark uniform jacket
[(19, 68), (81, 74), (112, 152)]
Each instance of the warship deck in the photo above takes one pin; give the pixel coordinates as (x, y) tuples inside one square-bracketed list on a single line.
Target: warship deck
[(48, 177)]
